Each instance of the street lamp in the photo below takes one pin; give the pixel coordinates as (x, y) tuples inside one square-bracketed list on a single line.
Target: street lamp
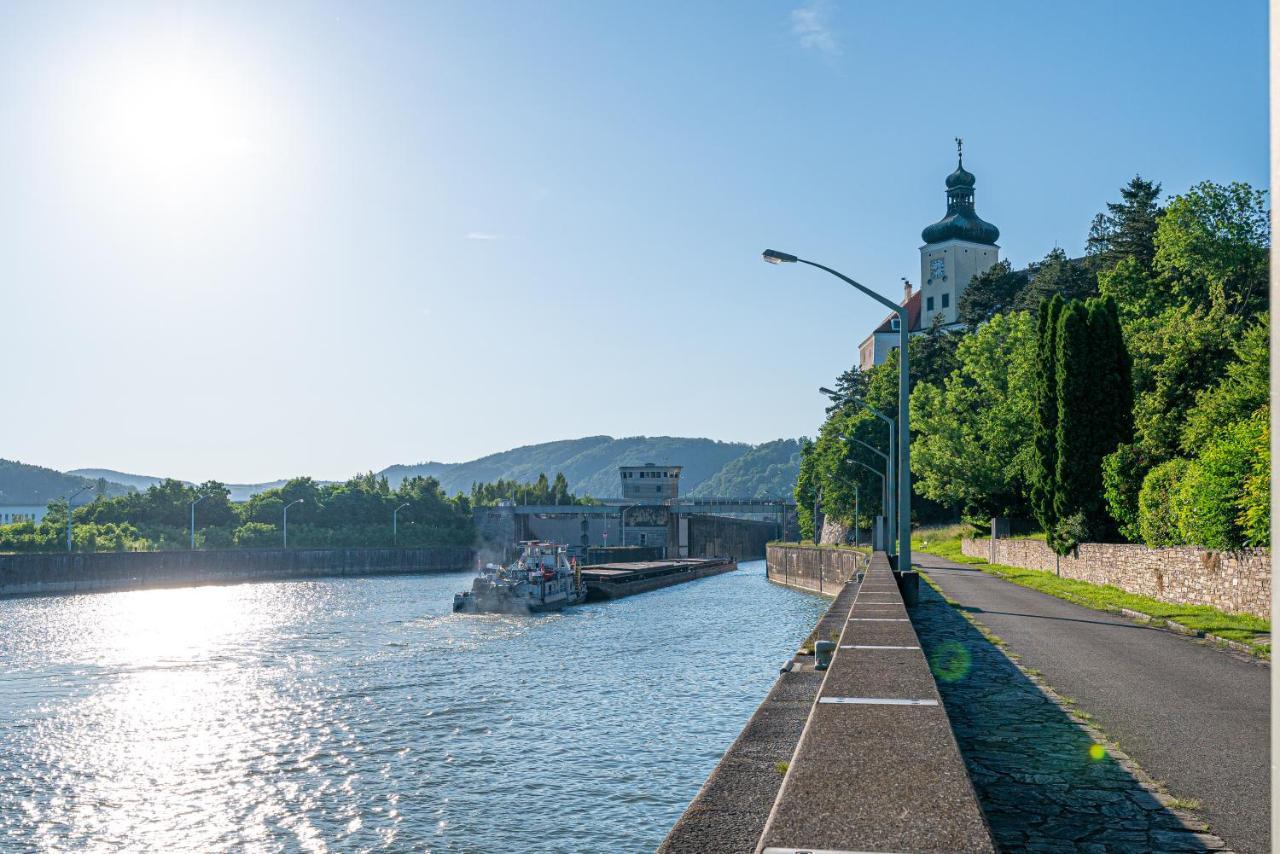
[(193, 520), (286, 519), (888, 473), (395, 531), (890, 423), (884, 486), (904, 395), (70, 498)]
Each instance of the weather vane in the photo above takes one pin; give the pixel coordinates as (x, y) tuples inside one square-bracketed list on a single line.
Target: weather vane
[(960, 149)]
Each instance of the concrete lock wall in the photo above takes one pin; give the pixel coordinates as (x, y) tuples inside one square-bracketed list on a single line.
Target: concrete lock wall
[(35, 574), (1235, 582), (823, 570), (740, 539)]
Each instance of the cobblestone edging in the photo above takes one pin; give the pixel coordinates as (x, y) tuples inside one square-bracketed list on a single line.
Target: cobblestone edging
[(1179, 628), (1047, 778), (1235, 582)]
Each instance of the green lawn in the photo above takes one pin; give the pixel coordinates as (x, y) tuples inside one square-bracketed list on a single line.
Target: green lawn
[(945, 543)]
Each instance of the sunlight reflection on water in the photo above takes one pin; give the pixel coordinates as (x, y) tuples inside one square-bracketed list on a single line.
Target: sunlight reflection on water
[(361, 714)]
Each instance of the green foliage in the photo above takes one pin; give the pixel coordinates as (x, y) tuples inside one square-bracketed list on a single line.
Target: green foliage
[(21, 483), (766, 471), (1159, 504), (1043, 471), (1244, 389), (1254, 519), (1212, 491), (991, 293), (1177, 355), (1122, 473), (1057, 275), (1215, 240), (1126, 232), (257, 535), (539, 492), (972, 445)]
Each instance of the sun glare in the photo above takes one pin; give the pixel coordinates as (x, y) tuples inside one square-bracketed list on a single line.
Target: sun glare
[(172, 123)]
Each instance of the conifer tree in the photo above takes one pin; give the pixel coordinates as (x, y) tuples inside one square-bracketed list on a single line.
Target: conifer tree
[(1044, 466)]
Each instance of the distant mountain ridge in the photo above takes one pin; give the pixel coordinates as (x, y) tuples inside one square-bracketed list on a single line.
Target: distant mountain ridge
[(710, 469)]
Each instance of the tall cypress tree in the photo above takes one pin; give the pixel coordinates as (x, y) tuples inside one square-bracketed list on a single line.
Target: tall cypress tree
[(1044, 466), (1094, 407)]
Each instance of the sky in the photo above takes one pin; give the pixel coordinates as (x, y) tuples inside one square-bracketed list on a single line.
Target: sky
[(252, 240)]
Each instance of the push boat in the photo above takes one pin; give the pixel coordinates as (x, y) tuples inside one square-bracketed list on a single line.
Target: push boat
[(541, 579)]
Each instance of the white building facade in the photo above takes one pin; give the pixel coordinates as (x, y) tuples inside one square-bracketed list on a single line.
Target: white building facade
[(956, 248)]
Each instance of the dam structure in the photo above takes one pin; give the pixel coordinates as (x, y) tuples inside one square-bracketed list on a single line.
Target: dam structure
[(650, 515)]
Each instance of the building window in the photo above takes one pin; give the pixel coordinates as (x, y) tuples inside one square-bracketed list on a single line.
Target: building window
[(893, 324), (946, 300), (643, 539), (928, 303)]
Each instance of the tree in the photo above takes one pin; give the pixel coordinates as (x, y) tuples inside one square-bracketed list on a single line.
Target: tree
[(1215, 239), (933, 354), (1060, 275), (973, 448), (1045, 424), (1244, 389), (990, 293), (1127, 229)]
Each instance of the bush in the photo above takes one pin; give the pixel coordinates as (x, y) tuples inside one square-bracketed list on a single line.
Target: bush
[(1158, 505), (1213, 485), (1255, 504), (1121, 482), (257, 535)]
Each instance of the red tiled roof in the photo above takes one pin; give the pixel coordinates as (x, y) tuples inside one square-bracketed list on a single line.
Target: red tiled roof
[(913, 317)]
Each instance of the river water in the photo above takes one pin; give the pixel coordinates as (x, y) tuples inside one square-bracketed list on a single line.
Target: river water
[(361, 714)]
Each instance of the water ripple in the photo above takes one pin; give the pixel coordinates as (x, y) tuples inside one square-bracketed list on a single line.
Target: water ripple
[(361, 714)]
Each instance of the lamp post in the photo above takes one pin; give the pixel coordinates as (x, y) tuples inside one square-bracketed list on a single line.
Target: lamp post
[(70, 498), (193, 520), (286, 519), (395, 531), (857, 515), (888, 474), (883, 485), (891, 424), (904, 396)]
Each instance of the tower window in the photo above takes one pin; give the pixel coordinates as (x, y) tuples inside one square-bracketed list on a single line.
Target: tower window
[(928, 303), (946, 300)]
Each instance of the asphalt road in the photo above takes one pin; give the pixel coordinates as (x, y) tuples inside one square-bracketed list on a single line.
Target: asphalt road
[(1195, 717)]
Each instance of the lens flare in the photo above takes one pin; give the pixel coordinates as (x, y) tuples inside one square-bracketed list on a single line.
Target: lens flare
[(1097, 752), (951, 662)]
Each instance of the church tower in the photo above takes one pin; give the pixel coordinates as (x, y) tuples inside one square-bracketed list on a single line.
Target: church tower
[(956, 248)]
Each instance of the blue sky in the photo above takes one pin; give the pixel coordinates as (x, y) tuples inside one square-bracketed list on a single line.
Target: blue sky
[(246, 241)]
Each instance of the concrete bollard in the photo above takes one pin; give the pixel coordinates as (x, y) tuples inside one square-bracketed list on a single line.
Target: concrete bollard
[(909, 587), (822, 651)]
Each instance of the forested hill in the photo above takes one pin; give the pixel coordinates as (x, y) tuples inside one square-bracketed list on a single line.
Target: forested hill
[(591, 465), (711, 469), (21, 483)]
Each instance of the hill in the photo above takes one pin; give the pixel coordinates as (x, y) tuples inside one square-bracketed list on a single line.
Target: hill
[(589, 464), (765, 471), (21, 483)]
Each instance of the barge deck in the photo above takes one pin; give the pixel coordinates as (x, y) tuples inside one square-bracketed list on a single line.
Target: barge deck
[(615, 580)]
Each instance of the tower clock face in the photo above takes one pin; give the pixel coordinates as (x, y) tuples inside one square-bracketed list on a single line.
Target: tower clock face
[(937, 268)]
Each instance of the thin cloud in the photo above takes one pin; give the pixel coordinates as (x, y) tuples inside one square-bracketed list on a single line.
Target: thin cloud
[(483, 235), (810, 25)]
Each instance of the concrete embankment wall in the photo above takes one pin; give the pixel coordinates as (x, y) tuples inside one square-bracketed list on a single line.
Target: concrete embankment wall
[(822, 570), (740, 539), (1236, 582), (40, 574)]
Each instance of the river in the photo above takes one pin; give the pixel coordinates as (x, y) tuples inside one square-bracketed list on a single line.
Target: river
[(361, 714)]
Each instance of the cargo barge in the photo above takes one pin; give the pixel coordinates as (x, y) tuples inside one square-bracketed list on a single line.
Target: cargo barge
[(615, 580)]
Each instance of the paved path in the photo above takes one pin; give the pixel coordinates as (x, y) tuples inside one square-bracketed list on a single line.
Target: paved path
[(1192, 716)]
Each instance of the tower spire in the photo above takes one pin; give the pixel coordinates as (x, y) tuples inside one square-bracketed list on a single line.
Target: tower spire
[(960, 150)]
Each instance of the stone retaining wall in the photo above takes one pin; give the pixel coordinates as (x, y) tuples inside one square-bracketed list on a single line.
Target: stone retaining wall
[(39, 574), (1235, 582), (823, 570)]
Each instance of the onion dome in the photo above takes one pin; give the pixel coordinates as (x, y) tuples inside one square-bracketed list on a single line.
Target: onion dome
[(961, 221)]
